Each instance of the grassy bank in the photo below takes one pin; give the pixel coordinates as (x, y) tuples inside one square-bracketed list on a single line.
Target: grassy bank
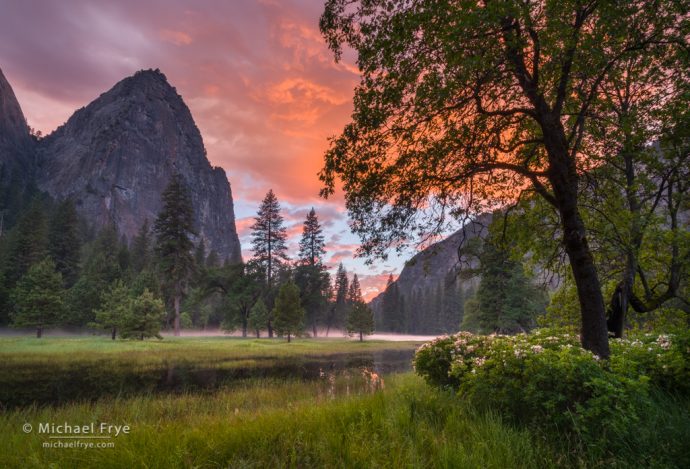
[(336, 420), (193, 349), (283, 424)]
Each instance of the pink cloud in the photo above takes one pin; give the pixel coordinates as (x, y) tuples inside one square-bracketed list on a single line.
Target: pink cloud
[(257, 76)]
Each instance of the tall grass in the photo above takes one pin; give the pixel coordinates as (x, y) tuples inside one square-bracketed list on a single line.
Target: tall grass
[(283, 424)]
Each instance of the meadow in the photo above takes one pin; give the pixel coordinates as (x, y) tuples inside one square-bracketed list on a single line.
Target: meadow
[(339, 417)]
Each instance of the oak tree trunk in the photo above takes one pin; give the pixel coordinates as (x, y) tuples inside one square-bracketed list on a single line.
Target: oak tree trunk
[(563, 177)]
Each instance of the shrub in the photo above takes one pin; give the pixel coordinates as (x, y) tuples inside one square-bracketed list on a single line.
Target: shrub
[(545, 380), (663, 358)]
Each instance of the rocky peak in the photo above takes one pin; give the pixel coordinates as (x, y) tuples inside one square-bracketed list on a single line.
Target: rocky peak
[(433, 266), (115, 157), (15, 141)]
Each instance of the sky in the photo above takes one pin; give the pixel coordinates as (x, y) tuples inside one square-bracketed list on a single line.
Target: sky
[(262, 86)]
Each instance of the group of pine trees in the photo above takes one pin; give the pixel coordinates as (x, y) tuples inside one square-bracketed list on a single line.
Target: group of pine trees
[(436, 310), (499, 296), (55, 270), (287, 297)]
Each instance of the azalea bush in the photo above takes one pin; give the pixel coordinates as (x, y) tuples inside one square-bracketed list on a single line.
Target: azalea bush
[(548, 381), (663, 358)]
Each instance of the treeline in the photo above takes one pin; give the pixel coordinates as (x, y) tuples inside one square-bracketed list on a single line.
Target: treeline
[(274, 293), (497, 296), (435, 310), (57, 270)]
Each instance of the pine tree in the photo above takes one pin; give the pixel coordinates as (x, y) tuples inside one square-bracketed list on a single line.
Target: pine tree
[(507, 301), (212, 260), (391, 314), (243, 291), (354, 291), (471, 320), (339, 308), (141, 248), (311, 246), (5, 304), (268, 245), (268, 238), (174, 227), (101, 269), (200, 254), (287, 312), (39, 297), (29, 242), (258, 317), (310, 273), (115, 304), (63, 241), (144, 317), (360, 320)]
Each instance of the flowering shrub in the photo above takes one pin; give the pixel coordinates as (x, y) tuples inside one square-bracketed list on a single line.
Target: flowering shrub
[(546, 379), (663, 358)]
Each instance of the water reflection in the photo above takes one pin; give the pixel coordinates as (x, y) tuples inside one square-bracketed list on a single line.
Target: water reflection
[(334, 374)]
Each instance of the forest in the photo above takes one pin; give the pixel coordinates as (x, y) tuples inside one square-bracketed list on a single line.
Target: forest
[(58, 271)]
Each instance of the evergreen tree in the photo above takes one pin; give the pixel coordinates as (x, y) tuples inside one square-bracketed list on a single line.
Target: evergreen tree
[(5, 303), (258, 317), (174, 227), (354, 291), (453, 299), (268, 238), (64, 244), (507, 301), (288, 313), (29, 242), (391, 313), (313, 282), (123, 255), (311, 246), (115, 305), (268, 245), (144, 317), (101, 269), (39, 297), (200, 254), (243, 291), (212, 260), (471, 320), (310, 273), (142, 248), (339, 308), (360, 320)]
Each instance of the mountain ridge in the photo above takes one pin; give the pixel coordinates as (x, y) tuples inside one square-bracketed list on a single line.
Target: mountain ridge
[(115, 156)]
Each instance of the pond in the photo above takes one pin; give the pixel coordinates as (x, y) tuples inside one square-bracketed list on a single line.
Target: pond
[(48, 384)]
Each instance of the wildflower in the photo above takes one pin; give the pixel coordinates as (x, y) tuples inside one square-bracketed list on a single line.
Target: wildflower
[(537, 348), (664, 342)]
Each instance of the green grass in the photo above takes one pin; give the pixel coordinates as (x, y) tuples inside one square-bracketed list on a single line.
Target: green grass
[(283, 424), (286, 422), (26, 350)]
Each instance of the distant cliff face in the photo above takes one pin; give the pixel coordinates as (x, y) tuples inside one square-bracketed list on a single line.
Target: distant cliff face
[(16, 145), (430, 271), (115, 157)]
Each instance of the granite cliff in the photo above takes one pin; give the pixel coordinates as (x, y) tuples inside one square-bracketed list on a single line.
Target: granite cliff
[(17, 149), (115, 157), (428, 294)]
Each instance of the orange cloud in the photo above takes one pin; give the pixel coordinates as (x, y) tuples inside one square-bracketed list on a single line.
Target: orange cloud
[(178, 38)]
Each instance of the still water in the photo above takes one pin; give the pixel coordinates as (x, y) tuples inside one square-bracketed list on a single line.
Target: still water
[(50, 385)]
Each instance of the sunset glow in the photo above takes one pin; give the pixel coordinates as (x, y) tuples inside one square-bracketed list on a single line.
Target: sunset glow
[(263, 88)]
